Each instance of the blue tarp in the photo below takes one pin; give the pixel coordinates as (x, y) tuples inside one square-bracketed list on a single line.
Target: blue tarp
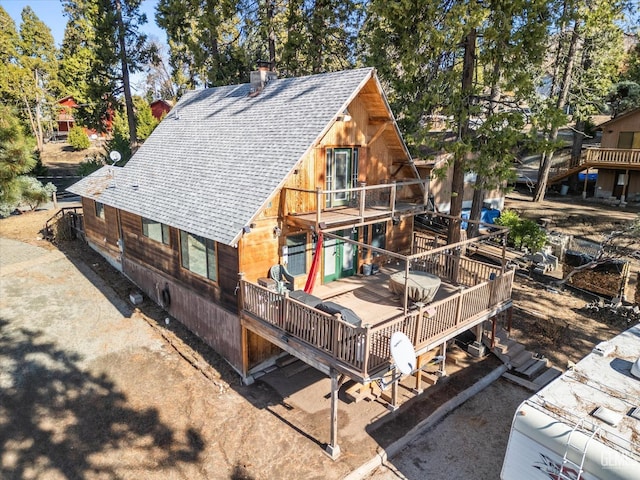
[(488, 215)]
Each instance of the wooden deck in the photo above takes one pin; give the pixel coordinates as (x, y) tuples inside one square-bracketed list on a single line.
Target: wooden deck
[(327, 342), (612, 158)]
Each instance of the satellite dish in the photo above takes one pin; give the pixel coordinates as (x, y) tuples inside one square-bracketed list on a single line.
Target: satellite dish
[(402, 352), (115, 156)]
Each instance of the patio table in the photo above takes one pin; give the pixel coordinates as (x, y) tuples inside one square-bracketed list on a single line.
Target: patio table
[(421, 286)]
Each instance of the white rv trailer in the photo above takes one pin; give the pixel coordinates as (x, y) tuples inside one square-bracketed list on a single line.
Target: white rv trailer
[(586, 423)]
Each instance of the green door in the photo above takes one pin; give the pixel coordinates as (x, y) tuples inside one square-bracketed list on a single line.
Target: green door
[(340, 258)]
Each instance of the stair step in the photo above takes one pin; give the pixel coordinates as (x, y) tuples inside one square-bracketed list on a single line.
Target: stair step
[(522, 368), (286, 360), (521, 381), (548, 376), (536, 367), (520, 359)]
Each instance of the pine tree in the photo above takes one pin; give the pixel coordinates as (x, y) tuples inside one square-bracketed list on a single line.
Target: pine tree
[(468, 62), (587, 46), (16, 158), (33, 78)]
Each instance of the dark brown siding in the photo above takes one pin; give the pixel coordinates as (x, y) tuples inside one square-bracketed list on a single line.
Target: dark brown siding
[(166, 259), (216, 326), (102, 233)]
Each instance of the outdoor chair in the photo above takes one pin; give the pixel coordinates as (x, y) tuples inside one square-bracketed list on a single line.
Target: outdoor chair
[(283, 279)]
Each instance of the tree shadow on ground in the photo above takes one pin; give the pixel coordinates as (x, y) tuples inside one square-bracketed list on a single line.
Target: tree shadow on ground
[(56, 417)]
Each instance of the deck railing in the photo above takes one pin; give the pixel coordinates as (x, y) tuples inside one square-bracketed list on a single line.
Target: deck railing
[(384, 197), (613, 156), (456, 269), (365, 350)]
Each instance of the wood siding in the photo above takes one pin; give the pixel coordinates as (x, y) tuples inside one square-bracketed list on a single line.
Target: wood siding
[(103, 234), (166, 260), (611, 131)]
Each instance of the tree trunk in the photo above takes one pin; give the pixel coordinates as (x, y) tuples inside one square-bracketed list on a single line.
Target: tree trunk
[(126, 84), (272, 33), (473, 229), (547, 158), (457, 182)]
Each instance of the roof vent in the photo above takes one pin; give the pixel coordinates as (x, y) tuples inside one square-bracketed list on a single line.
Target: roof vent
[(607, 416), (603, 349), (261, 77), (635, 368)]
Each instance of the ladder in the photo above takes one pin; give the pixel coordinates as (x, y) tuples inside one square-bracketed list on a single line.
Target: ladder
[(571, 470)]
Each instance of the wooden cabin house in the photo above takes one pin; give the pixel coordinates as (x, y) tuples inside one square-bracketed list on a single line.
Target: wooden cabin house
[(269, 217), (616, 161)]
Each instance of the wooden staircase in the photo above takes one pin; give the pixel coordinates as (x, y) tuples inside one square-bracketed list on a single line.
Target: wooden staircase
[(526, 368)]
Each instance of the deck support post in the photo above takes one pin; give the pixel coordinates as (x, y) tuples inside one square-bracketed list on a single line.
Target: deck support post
[(493, 332), (418, 373), (584, 186), (333, 449), (443, 351), (393, 405)]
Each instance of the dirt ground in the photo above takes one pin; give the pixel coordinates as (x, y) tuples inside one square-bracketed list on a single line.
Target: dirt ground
[(61, 159), (209, 425)]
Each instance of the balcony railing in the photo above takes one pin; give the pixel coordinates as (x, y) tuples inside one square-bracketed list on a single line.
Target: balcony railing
[(363, 351), (363, 201), (613, 156)]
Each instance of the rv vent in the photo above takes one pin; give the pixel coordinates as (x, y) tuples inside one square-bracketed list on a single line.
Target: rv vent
[(603, 349), (607, 416), (635, 413)]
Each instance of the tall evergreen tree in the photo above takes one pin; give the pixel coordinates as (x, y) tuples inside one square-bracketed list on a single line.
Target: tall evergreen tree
[(33, 75), (470, 62), (77, 53), (119, 49), (587, 51), (16, 157)]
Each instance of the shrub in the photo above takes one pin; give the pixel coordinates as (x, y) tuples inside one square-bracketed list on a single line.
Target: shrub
[(33, 193), (78, 139), (523, 233), (90, 165)]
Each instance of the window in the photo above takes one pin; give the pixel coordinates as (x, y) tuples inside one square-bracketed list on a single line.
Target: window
[(629, 140), (341, 174), (155, 230), (297, 254), (376, 237), (199, 255), (99, 210)]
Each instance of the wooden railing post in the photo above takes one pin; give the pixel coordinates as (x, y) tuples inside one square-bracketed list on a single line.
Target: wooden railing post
[(363, 194), (367, 350), (318, 206), (392, 198), (459, 308)]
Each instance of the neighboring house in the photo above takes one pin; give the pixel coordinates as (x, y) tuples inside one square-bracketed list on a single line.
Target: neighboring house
[(65, 118), (159, 108), (617, 161), (306, 173)]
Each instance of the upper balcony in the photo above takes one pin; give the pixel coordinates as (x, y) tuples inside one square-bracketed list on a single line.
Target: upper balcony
[(471, 292), (598, 158), (331, 209)]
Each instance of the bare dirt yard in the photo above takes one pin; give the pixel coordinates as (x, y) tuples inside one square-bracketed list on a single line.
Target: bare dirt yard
[(134, 397)]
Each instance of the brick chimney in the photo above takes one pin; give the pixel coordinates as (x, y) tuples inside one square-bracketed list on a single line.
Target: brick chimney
[(262, 76)]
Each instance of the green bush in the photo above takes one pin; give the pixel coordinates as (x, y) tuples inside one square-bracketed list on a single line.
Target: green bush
[(90, 165), (34, 193), (523, 233), (78, 139)]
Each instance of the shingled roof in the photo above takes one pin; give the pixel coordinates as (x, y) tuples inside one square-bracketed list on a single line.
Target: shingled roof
[(213, 163)]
